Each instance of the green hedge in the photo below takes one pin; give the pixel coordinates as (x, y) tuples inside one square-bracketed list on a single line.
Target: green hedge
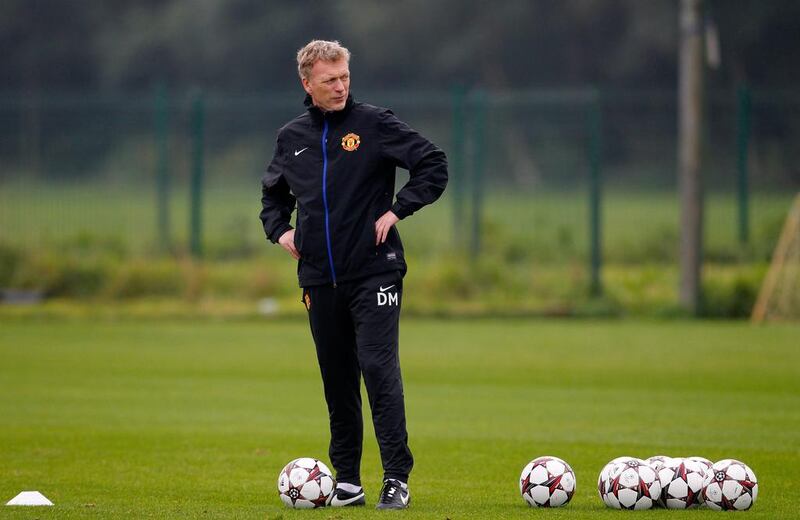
[(441, 284)]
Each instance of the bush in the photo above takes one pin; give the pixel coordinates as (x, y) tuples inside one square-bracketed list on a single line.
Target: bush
[(77, 279), (9, 260), (727, 295), (89, 267), (65, 276), (148, 278)]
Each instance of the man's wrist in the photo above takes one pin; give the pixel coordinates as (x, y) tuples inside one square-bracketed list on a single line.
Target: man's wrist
[(276, 235), (400, 211)]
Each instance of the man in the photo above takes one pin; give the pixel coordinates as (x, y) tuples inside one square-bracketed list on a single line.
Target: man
[(337, 162)]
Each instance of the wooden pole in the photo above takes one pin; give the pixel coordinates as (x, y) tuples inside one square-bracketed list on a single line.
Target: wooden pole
[(789, 235), (690, 129)]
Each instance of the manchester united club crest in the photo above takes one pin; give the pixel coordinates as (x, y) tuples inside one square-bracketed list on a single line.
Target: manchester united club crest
[(350, 142)]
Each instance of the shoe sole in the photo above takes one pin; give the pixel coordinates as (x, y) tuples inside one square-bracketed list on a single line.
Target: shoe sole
[(393, 506), (388, 508)]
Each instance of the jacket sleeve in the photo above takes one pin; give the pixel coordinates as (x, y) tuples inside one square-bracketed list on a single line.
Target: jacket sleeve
[(426, 164), (277, 201)]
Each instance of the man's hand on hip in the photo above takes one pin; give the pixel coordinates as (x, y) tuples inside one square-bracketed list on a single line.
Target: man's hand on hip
[(287, 242), (383, 225)]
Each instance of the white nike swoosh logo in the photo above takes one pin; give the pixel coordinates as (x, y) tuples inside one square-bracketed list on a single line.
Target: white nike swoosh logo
[(386, 288), (298, 152), (335, 502)]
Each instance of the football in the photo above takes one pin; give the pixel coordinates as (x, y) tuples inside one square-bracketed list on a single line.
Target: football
[(730, 485), (602, 479), (547, 482), (681, 483), (305, 483), (624, 458), (657, 461), (632, 485), (707, 466), (707, 463)]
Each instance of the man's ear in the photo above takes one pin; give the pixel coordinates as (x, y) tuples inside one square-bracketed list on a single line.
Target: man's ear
[(306, 85)]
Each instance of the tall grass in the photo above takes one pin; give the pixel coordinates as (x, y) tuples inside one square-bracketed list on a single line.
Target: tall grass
[(99, 243), (637, 226)]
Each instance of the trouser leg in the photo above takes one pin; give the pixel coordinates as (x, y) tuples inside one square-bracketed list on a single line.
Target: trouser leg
[(375, 308), (334, 337)]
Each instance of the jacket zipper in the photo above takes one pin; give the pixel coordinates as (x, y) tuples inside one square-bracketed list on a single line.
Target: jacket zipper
[(325, 197)]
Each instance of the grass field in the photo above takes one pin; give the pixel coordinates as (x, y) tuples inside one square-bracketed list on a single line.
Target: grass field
[(541, 225), (184, 419), (97, 241)]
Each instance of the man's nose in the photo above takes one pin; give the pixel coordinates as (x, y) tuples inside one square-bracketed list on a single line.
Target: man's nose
[(339, 86)]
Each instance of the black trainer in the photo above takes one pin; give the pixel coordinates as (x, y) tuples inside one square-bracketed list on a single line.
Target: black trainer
[(342, 498), (393, 495)]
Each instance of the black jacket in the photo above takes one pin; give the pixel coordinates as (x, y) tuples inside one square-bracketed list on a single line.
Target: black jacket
[(343, 186)]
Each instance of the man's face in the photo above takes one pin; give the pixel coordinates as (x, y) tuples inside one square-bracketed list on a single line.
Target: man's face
[(328, 84)]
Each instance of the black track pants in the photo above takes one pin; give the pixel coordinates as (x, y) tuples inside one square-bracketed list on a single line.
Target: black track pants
[(355, 329)]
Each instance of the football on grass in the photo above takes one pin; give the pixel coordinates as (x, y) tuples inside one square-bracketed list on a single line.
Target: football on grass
[(305, 483), (547, 482), (657, 461), (681, 483), (704, 461), (632, 485), (707, 466), (602, 479), (730, 485)]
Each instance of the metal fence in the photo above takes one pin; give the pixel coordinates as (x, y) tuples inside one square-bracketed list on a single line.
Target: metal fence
[(544, 176)]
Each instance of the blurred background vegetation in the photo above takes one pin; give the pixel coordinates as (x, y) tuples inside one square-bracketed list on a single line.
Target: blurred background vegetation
[(133, 135), (249, 45)]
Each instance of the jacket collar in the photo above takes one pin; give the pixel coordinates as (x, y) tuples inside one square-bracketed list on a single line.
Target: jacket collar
[(319, 115)]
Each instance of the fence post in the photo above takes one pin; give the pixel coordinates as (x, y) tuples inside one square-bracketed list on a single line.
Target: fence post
[(478, 109), (743, 114), (162, 166), (195, 205), (595, 181), (458, 178)]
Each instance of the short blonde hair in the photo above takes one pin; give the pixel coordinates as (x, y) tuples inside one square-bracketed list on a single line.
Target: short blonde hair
[(316, 50)]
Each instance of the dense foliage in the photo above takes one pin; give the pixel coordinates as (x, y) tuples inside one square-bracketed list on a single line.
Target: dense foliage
[(249, 44)]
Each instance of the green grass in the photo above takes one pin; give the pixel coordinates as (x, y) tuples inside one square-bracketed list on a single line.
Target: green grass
[(532, 225), (97, 242), (189, 419)]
